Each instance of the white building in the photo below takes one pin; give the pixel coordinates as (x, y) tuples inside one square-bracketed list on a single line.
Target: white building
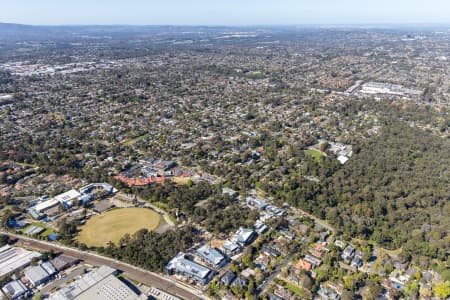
[(387, 88), (68, 196), (14, 289), (43, 206), (64, 198), (244, 236), (13, 258)]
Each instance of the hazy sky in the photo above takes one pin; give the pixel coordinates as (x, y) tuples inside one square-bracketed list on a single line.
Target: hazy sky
[(223, 12)]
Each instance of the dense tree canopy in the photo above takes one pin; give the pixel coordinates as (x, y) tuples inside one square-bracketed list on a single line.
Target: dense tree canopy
[(395, 191), (151, 250)]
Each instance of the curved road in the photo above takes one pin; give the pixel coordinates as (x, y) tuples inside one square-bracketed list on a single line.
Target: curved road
[(146, 277)]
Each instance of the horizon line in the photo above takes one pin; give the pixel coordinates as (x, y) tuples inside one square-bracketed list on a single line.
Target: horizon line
[(399, 23)]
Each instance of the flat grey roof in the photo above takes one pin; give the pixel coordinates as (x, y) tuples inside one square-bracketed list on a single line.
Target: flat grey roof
[(110, 288), (62, 261), (13, 258), (81, 285), (14, 288), (36, 274), (48, 267)]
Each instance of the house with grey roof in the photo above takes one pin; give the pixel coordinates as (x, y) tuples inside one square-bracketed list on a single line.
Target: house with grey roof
[(357, 262), (348, 253), (228, 278), (231, 248), (244, 236), (260, 227), (328, 294), (256, 203), (240, 282)]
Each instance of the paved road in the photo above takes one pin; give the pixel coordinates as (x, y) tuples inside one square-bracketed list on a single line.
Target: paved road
[(163, 212), (261, 289), (146, 277), (69, 277)]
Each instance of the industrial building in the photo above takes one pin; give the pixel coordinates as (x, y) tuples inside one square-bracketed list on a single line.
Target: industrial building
[(62, 262), (211, 256), (13, 258), (14, 289), (387, 88), (110, 288), (38, 275), (100, 284), (182, 266)]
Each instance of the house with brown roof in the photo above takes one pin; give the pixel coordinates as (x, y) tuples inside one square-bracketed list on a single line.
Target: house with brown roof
[(303, 265)]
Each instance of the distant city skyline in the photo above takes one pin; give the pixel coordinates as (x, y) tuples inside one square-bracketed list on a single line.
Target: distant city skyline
[(223, 12)]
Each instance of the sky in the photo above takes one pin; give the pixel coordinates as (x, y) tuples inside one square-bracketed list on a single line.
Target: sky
[(222, 12)]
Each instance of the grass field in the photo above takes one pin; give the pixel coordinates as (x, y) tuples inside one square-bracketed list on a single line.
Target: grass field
[(316, 154), (181, 180), (113, 225), (255, 74), (130, 142)]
